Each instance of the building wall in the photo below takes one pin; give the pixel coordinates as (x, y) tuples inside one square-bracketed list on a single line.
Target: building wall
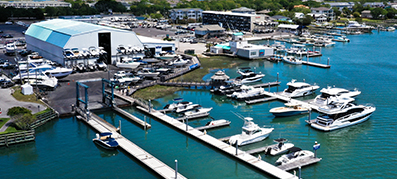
[(232, 21), (45, 49)]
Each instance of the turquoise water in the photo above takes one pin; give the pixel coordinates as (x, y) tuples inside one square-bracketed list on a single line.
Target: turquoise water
[(64, 147)]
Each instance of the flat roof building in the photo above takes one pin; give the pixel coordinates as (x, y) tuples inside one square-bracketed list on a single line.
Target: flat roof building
[(230, 20)]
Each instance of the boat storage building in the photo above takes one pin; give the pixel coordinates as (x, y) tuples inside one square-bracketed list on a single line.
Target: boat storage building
[(51, 37)]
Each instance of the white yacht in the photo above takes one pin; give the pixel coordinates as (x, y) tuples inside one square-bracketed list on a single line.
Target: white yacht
[(198, 112), (337, 116), (292, 60), (185, 108), (248, 77), (176, 105), (58, 72), (251, 133), (295, 154), (335, 94), (246, 92), (44, 83), (280, 148), (343, 39), (148, 73), (290, 109), (245, 71), (179, 61), (299, 89), (94, 51)]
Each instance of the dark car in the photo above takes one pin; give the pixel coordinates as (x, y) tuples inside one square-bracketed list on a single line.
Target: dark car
[(6, 84), (1, 31), (24, 52), (7, 36)]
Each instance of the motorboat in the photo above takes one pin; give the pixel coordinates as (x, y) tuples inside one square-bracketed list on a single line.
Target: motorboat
[(246, 93), (129, 63), (249, 78), (280, 148), (290, 109), (245, 71), (58, 72), (179, 61), (148, 73), (198, 112), (292, 60), (229, 88), (217, 122), (251, 133), (336, 116), (295, 154), (390, 29), (299, 89), (176, 105), (11, 48), (343, 39), (166, 55), (101, 65), (106, 141), (94, 51), (121, 49), (185, 108), (43, 83), (122, 77), (80, 67), (295, 48), (335, 94), (68, 53), (76, 52), (85, 53), (91, 67)]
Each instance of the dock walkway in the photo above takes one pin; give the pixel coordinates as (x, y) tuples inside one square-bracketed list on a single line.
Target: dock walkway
[(232, 151), (132, 117), (150, 161), (296, 164), (316, 64)]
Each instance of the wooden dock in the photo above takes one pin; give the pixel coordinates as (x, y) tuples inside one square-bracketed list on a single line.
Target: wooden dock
[(227, 149), (316, 64), (299, 163), (261, 149), (144, 157), (17, 137), (132, 117), (266, 99), (213, 126), (185, 84)]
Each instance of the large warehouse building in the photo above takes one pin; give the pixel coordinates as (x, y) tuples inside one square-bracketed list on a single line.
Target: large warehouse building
[(51, 37)]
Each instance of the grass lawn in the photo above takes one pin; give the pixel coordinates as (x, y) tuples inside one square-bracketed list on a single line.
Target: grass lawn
[(10, 129), (155, 92), (3, 121), (27, 98)]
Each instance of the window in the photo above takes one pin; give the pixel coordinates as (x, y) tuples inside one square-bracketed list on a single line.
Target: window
[(253, 53)]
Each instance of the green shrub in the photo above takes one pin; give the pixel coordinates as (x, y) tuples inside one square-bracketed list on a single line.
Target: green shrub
[(18, 110), (23, 121)]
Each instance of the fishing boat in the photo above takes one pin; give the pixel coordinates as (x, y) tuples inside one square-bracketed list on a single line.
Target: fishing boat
[(280, 148), (295, 154), (337, 116), (105, 140), (299, 89), (251, 133), (198, 112), (292, 60), (290, 109)]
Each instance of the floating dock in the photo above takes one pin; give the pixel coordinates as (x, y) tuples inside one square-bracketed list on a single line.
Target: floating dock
[(316, 64), (132, 117), (227, 123), (299, 163), (232, 151), (150, 161), (260, 100)]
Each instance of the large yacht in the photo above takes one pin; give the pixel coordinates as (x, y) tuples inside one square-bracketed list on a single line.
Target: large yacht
[(248, 76), (338, 115), (251, 133), (299, 89), (335, 94), (246, 92)]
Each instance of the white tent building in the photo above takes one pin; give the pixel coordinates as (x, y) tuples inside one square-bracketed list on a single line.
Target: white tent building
[(156, 46), (51, 37)]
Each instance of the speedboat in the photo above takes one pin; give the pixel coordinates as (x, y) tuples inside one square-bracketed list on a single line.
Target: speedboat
[(166, 55), (245, 71), (100, 65), (43, 83), (229, 88), (106, 141), (68, 53), (343, 39), (77, 52), (251, 133), (129, 63), (121, 49), (290, 109), (292, 60), (148, 73), (249, 78), (179, 61), (218, 122), (58, 72), (176, 105), (198, 112), (94, 51), (337, 116), (299, 89), (181, 109), (280, 148), (295, 154)]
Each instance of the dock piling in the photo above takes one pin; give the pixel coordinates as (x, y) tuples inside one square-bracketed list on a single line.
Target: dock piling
[(269, 87), (145, 122), (187, 123), (120, 126), (277, 77), (149, 106), (300, 172), (176, 169), (328, 61), (236, 147)]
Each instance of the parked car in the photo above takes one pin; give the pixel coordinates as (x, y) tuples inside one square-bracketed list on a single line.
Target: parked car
[(8, 23), (6, 84), (1, 31), (7, 36)]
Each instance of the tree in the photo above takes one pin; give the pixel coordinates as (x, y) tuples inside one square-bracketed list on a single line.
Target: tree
[(18, 110), (356, 14), (391, 13), (336, 11), (378, 13), (346, 11)]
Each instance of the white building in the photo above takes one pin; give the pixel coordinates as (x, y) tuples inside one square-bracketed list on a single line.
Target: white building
[(156, 45), (51, 37), (180, 14), (240, 21), (323, 12), (34, 4)]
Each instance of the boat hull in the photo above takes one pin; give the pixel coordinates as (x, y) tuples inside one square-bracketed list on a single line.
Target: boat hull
[(361, 119), (257, 139), (289, 113), (103, 145)]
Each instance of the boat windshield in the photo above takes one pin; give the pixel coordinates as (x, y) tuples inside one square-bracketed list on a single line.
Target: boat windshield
[(247, 131), (290, 89)]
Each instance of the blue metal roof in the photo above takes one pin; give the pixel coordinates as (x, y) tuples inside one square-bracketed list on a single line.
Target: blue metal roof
[(59, 31)]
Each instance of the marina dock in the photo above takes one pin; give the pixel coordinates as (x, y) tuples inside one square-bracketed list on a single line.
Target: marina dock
[(232, 151), (132, 117), (316, 64), (266, 99), (299, 163), (144, 157)]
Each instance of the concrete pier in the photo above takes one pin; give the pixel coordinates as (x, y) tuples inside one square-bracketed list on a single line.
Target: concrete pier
[(150, 161), (132, 117)]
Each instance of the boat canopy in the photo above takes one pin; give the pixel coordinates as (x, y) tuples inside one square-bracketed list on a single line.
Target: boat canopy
[(294, 149), (280, 140), (105, 134)]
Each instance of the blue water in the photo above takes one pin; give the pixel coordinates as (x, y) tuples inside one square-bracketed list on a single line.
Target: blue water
[(64, 148)]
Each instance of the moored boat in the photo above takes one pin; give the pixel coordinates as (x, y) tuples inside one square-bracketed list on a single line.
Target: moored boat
[(251, 133), (105, 140), (290, 109)]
